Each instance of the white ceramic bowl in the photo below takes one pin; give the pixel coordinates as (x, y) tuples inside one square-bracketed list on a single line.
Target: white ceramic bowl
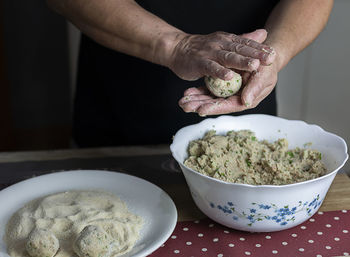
[(268, 207)]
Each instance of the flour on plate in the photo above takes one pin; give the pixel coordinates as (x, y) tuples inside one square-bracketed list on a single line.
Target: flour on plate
[(79, 220)]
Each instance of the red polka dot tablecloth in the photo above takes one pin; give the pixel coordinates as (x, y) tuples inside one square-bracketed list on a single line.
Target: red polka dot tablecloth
[(324, 234)]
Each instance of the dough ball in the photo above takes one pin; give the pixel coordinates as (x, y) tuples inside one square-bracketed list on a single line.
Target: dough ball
[(92, 241), (223, 88), (42, 243)]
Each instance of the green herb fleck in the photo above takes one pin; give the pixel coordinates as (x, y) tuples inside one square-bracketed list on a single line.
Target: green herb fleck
[(249, 163), (320, 156), (222, 174), (291, 154), (253, 138), (230, 91)]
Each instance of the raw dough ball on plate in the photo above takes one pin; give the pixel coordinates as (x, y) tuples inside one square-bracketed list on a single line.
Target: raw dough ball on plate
[(93, 241), (42, 243), (223, 88)]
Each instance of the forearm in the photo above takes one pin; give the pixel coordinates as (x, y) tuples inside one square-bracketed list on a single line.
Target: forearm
[(294, 24), (122, 25)]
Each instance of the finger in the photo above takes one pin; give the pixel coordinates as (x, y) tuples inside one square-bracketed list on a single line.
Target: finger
[(221, 106), (236, 61), (263, 94), (258, 35), (252, 89), (190, 98), (259, 83), (265, 56), (211, 68), (252, 43), (196, 91), (245, 77), (192, 106)]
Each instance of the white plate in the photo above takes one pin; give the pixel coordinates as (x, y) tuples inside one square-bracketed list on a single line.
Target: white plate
[(142, 198)]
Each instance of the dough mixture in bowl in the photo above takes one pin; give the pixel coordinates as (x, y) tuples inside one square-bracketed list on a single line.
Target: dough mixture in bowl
[(73, 223), (239, 157)]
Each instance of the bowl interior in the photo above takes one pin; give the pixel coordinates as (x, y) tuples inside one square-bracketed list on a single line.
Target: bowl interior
[(270, 128)]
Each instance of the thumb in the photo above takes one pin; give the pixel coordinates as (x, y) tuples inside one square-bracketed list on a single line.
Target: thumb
[(258, 35)]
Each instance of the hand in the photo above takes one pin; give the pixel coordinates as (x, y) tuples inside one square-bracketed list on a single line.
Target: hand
[(258, 85), (216, 54)]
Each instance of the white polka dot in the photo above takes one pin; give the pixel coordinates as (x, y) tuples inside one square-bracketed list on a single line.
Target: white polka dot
[(336, 218), (188, 243), (345, 231), (311, 220), (215, 239), (319, 233), (185, 229), (220, 255), (274, 251), (225, 231), (311, 241), (204, 249), (211, 225), (301, 249), (303, 227), (328, 225), (294, 235), (242, 238), (346, 254), (318, 255), (176, 251), (268, 237), (336, 239), (200, 235), (196, 221), (173, 237), (328, 247), (284, 243), (231, 245), (320, 212), (344, 211), (247, 253), (258, 245)]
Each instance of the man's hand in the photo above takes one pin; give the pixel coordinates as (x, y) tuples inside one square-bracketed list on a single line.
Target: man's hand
[(258, 85), (216, 54)]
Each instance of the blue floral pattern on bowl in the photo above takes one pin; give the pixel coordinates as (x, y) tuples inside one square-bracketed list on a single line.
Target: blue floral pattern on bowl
[(281, 215)]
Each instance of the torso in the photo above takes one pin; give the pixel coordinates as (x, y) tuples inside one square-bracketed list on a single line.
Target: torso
[(107, 113)]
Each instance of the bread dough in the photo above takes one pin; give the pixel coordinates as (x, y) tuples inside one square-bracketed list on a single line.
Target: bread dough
[(65, 215), (42, 243), (239, 157), (223, 88)]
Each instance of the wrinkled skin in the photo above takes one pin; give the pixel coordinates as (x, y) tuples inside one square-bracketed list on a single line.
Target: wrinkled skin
[(259, 85), (251, 58), (215, 54)]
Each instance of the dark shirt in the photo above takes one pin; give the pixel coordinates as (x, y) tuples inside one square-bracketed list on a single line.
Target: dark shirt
[(123, 100)]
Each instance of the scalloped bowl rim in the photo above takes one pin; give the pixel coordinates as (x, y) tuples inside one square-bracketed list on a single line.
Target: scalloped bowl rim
[(203, 123)]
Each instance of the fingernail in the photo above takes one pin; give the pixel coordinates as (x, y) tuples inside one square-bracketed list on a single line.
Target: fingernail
[(268, 50), (248, 100), (228, 75)]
